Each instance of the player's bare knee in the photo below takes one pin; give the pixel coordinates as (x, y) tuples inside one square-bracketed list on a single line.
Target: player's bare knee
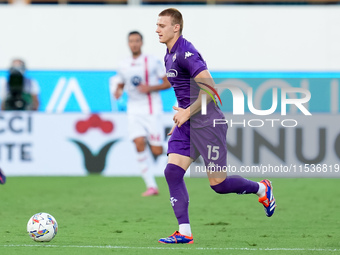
[(140, 144), (140, 147), (157, 150)]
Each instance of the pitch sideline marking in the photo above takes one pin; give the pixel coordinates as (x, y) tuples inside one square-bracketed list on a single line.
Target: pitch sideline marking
[(169, 248)]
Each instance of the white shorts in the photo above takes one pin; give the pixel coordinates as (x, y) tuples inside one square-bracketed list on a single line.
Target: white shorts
[(148, 126)]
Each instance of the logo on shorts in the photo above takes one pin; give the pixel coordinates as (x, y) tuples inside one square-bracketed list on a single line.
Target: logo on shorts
[(172, 73), (211, 164), (155, 137)]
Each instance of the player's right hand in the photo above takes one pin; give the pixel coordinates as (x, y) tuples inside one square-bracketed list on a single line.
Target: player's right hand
[(118, 93)]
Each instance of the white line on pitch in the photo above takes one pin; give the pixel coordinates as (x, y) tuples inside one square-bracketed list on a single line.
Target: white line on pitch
[(169, 248)]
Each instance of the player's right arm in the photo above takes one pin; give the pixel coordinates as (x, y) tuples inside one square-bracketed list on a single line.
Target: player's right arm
[(119, 90), (119, 79)]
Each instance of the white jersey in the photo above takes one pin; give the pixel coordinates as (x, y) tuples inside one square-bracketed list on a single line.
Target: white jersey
[(145, 69)]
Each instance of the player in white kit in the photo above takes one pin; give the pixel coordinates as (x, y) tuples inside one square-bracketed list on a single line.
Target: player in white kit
[(140, 76)]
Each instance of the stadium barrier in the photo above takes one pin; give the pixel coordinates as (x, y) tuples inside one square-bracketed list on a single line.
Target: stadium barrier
[(76, 144)]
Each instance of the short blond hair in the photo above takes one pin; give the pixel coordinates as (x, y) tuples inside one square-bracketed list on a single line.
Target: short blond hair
[(175, 15)]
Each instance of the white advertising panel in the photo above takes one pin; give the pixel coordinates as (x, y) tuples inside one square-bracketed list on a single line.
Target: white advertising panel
[(66, 144), (74, 144)]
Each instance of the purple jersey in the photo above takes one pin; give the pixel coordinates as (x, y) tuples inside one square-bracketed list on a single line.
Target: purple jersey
[(183, 63), (197, 135)]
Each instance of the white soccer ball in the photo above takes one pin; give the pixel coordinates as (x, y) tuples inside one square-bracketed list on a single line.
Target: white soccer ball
[(42, 227)]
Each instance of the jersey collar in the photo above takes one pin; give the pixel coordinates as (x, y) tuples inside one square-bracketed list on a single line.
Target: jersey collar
[(178, 42)]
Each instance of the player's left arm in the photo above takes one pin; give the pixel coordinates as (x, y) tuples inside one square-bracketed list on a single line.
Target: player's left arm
[(143, 88), (204, 81)]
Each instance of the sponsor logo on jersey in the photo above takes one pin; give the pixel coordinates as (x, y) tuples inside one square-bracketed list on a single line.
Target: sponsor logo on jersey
[(136, 80), (188, 54), (172, 73)]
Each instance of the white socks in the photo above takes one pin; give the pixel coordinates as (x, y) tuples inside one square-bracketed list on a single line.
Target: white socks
[(185, 229), (262, 190), (147, 175)]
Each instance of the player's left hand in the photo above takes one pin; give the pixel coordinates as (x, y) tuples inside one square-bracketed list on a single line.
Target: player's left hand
[(181, 116), (142, 88)]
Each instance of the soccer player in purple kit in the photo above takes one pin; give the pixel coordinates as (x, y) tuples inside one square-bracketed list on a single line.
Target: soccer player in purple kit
[(193, 134)]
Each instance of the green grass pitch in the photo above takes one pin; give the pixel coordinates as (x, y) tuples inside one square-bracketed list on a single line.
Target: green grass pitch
[(106, 215)]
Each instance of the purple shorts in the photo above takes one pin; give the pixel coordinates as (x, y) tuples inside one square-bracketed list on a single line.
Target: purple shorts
[(209, 142)]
